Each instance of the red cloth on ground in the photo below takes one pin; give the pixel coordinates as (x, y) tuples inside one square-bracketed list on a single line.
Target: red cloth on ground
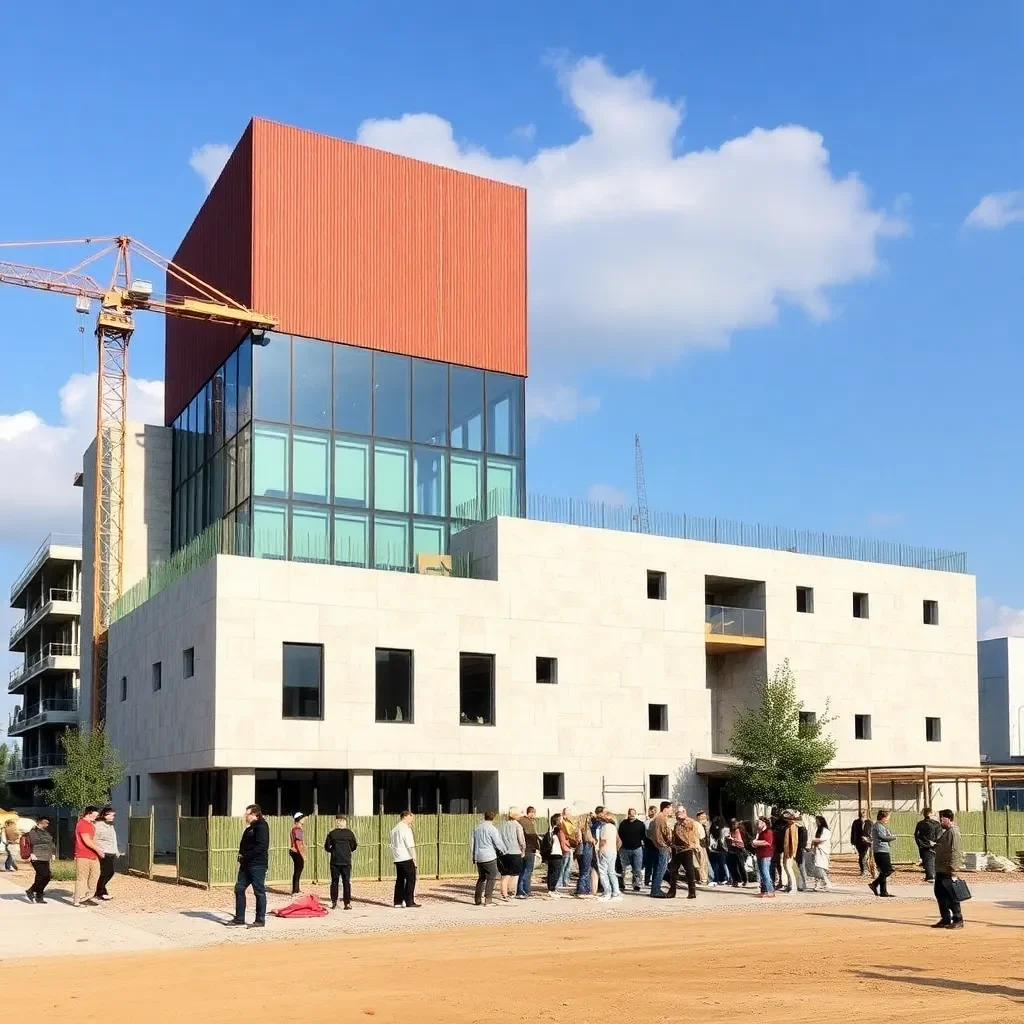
[(304, 906)]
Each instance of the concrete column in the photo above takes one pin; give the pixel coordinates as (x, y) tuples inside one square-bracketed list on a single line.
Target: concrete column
[(241, 790), (361, 792)]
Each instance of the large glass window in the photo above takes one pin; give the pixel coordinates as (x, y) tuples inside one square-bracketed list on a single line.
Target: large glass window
[(352, 389), (270, 462), (231, 395), (201, 449), (429, 491), (391, 478), (467, 402), (230, 475), (302, 676), (429, 402), (244, 383), (351, 533), (310, 536), (504, 414), (269, 530), (215, 469), (244, 471), (310, 466), (476, 689), (466, 486), (390, 543), (272, 377), (206, 401), (351, 472), (502, 487), (427, 538), (390, 395), (393, 686), (217, 407), (311, 382)]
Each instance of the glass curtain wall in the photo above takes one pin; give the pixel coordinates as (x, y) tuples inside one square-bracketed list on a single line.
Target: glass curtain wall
[(351, 456)]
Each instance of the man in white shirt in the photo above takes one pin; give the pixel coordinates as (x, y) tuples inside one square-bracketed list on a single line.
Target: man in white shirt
[(403, 850)]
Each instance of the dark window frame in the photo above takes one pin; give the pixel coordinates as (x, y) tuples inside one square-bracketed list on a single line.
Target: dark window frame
[(492, 715), (412, 687), (930, 612), (657, 585), (861, 605), (807, 594), (662, 790), (157, 676), (319, 717), (547, 670), (932, 729), (124, 688), (808, 719), (188, 663), (556, 791), (657, 718), (862, 727)]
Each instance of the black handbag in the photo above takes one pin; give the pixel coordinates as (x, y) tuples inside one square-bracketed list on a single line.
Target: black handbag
[(960, 890)]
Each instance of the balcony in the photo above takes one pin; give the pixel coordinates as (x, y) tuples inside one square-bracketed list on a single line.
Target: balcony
[(32, 769), (58, 605), (732, 629), (46, 712), (53, 657), (60, 546)]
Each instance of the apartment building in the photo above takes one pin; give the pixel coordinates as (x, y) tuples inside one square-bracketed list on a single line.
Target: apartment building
[(48, 636)]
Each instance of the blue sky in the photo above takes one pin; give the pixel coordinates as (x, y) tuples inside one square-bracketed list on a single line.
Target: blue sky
[(793, 346)]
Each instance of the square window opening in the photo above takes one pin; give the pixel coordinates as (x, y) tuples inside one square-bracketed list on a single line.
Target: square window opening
[(860, 606), (808, 720), (394, 686), (547, 671), (188, 663), (158, 676), (862, 727), (805, 600), (476, 689), (657, 717), (933, 730), (658, 787), (656, 585), (931, 613), (554, 786), (302, 679)]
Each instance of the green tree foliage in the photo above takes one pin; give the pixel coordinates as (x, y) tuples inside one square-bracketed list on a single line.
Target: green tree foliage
[(780, 758), (5, 756), (92, 771)]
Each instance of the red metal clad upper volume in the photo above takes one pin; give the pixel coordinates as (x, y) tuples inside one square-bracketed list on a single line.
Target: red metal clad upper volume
[(350, 244)]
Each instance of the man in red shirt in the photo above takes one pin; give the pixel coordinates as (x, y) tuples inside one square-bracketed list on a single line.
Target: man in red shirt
[(764, 849), (87, 859)]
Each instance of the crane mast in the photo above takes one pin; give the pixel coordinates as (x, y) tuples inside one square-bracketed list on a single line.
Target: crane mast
[(643, 513)]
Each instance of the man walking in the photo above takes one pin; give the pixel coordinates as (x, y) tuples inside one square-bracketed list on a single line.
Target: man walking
[(340, 844), (949, 859), (632, 834), (87, 859), (485, 846), (524, 890), (881, 847), (926, 835), (660, 832), (403, 850), (685, 844), (860, 839), (41, 851), (253, 857)]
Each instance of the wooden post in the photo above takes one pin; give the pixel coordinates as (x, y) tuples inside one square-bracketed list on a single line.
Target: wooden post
[(152, 832), (956, 782), (380, 840), (438, 806), (927, 786), (209, 845), (892, 794), (967, 794), (177, 839), (991, 790), (871, 854)]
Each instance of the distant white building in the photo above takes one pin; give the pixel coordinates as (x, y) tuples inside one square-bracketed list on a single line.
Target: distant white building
[(1001, 699)]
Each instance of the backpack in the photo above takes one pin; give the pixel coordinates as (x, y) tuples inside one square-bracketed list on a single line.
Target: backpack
[(547, 844), (25, 847)]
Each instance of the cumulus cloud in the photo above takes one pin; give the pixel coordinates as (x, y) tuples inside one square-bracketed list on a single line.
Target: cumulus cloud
[(995, 619), (997, 210), (639, 251), (606, 494), (555, 403), (208, 161), (38, 460)]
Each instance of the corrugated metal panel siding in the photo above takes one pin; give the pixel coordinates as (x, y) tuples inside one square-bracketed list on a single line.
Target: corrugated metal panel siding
[(217, 248), (357, 245)]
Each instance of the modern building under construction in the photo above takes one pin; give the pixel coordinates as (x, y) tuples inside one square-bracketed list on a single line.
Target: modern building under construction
[(338, 595)]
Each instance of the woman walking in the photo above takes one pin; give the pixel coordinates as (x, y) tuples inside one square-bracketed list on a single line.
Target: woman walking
[(821, 853), (106, 840), (42, 850), (297, 850), (764, 850), (881, 847), (736, 853)]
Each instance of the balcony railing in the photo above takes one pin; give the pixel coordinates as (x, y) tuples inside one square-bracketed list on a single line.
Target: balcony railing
[(725, 621), (68, 540), (35, 767), (45, 659), (35, 609), (37, 714)]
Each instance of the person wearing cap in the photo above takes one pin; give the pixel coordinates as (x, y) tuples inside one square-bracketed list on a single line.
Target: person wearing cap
[(41, 852), (297, 851)]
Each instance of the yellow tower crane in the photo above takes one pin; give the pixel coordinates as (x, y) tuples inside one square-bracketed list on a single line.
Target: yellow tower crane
[(114, 327)]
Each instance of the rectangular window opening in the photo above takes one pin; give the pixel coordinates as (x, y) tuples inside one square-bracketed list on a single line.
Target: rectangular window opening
[(188, 663), (124, 688), (658, 787), (805, 600), (158, 673), (657, 717), (394, 684), (138, 797), (656, 585), (860, 606), (808, 720), (476, 689), (547, 670), (302, 678), (862, 727), (931, 613), (933, 730), (553, 786)]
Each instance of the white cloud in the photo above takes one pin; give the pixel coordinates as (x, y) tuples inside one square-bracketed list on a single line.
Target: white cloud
[(639, 251), (997, 210), (606, 494), (885, 520), (38, 460), (525, 132), (995, 619), (208, 161), (557, 403)]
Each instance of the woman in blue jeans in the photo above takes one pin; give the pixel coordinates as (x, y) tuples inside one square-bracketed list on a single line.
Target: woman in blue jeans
[(764, 848), (585, 853)]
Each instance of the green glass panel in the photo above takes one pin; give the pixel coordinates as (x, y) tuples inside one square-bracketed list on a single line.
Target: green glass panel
[(309, 534), (310, 467), (465, 474), (390, 542), (270, 462), (502, 488), (350, 538), (269, 530), (351, 459), (427, 538), (390, 478)]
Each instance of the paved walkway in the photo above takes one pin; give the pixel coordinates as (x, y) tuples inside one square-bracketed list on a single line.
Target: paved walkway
[(57, 928)]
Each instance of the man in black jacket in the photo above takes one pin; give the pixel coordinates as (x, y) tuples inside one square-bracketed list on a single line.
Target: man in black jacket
[(253, 852), (860, 838), (926, 835), (340, 845)]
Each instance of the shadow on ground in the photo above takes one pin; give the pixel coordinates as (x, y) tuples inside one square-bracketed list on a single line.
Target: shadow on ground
[(915, 977)]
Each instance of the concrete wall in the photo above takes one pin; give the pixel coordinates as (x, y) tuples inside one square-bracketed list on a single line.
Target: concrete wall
[(1001, 697), (575, 594)]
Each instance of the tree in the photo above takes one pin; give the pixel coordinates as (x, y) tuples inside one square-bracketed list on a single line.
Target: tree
[(92, 770), (780, 756), (5, 754)]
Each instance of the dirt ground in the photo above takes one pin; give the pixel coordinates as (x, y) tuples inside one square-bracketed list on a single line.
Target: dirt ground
[(795, 965)]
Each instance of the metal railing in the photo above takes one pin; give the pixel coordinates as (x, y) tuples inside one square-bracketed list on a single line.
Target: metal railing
[(69, 540), (25, 718), (726, 621), (52, 595), (48, 654), (33, 766)]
